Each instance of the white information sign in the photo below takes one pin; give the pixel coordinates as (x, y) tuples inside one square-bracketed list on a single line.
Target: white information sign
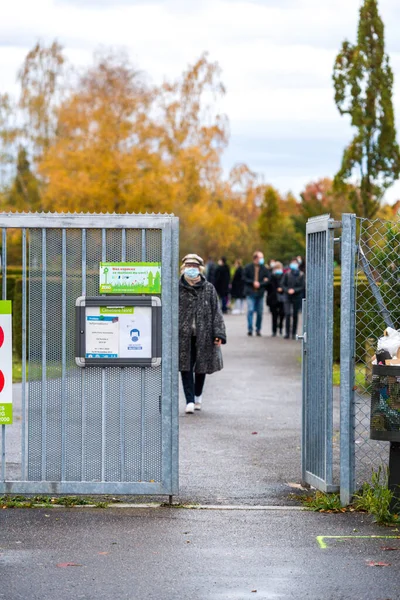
[(118, 331), (6, 416)]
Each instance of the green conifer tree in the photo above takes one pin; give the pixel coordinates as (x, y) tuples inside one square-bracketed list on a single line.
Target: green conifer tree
[(24, 192), (363, 82)]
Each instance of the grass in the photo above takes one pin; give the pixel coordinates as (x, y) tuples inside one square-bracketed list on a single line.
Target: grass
[(374, 498), (53, 371), (321, 502), (47, 501), (360, 381)]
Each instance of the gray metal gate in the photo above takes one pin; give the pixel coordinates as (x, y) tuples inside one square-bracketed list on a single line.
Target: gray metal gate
[(111, 430), (317, 355), (370, 287)]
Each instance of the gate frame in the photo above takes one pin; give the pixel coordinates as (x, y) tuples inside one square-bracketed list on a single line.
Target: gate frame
[(320, 224), (169, 226)]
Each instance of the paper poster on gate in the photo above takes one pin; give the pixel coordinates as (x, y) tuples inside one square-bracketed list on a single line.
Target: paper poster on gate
[(130, 278), (6, 414), (118, 332)]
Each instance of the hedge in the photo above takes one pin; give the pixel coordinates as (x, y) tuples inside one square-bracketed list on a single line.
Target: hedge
[(369, 322)]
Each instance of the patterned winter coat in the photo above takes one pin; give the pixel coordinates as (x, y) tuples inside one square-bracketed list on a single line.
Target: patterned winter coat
[(198, 305)]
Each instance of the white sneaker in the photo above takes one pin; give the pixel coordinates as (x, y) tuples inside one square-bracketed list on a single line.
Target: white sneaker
[(197, 402), (189, 408)]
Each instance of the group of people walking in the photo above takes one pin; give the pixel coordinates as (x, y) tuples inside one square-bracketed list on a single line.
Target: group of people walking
[(204, 292), (284, 289)]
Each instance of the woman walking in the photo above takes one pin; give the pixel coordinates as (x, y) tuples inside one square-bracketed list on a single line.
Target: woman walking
[(222, 281), (237, 288), (201, 330), (276, 298)]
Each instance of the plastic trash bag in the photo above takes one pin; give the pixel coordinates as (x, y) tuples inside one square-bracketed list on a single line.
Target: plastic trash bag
[(390, 342)]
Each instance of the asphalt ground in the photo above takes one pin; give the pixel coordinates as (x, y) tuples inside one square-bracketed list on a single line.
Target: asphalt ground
[(244, 446), (241, 451), (174, 554)]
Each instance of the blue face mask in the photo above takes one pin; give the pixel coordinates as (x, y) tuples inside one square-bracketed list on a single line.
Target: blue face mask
[(278, 272), (294, 266), (192, 272), (261, 261)]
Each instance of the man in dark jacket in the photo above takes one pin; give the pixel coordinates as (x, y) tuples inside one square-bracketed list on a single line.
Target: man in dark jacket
[(210, 270), (293, 284), (256, 277), (222, 281)]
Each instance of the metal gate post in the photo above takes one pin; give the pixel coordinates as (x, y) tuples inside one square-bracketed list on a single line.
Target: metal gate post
[(347, 343)]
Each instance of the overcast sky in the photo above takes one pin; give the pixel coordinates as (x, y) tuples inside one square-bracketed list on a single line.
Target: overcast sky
[(276, 58)]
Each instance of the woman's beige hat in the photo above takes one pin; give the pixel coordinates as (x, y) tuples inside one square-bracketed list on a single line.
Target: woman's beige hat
[(193, 259)]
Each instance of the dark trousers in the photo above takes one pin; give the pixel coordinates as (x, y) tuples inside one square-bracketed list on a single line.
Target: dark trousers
[(292, 308), (193, 383), (278, 316), (224, 304)]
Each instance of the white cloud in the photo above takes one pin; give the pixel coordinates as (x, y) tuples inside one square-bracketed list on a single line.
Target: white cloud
[(276, 57)]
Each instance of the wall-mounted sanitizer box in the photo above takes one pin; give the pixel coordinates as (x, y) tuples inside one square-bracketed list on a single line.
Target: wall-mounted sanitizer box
[(118, 331)]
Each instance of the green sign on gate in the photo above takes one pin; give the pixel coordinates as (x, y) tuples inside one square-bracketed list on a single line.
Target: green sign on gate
[(130, 278)]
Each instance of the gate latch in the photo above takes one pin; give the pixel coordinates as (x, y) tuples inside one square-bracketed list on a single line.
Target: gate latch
[(302, 337)]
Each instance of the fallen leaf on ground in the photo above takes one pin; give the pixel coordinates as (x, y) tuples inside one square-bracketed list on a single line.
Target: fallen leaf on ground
[(103, 553), (387, 549), (296, 486), (373, 563), (68, 564), (254, 432)]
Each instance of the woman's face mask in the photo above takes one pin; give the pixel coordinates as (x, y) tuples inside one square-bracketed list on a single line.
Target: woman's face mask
[(294, 266), (278, 272), (192, 272)]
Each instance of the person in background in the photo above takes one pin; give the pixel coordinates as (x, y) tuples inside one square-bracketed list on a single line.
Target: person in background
[(201, 330), (302, 266), (275, 299), (210, 270), (271, 264), (293, 285), (237, 288), (256, 277), (222, 281)]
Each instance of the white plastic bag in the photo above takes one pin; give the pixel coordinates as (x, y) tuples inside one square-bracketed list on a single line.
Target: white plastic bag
[(390, 341)]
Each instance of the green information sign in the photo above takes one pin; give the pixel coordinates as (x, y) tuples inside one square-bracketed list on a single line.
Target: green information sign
[(130, 278)]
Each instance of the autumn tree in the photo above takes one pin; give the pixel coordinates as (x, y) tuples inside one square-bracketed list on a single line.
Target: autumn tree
[(105, 155), (9, 133), (363, 82), (41, 78)]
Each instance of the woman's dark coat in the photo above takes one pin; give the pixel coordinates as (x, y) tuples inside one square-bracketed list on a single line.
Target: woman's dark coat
[(237, 289), (274, 297), (222, 280), (199, 303)]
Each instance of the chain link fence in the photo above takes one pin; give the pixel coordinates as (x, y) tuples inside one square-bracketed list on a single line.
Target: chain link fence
[(377, 307)]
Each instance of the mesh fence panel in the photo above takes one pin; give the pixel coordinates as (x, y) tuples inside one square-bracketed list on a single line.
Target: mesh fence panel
[(377, 307), (92, 430)]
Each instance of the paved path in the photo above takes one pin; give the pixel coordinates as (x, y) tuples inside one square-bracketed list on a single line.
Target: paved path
[(245, 445), (176, 554)]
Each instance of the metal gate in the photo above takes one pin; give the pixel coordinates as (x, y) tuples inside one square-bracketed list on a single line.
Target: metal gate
[(317, 411), (94, 430), (369, 292)]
